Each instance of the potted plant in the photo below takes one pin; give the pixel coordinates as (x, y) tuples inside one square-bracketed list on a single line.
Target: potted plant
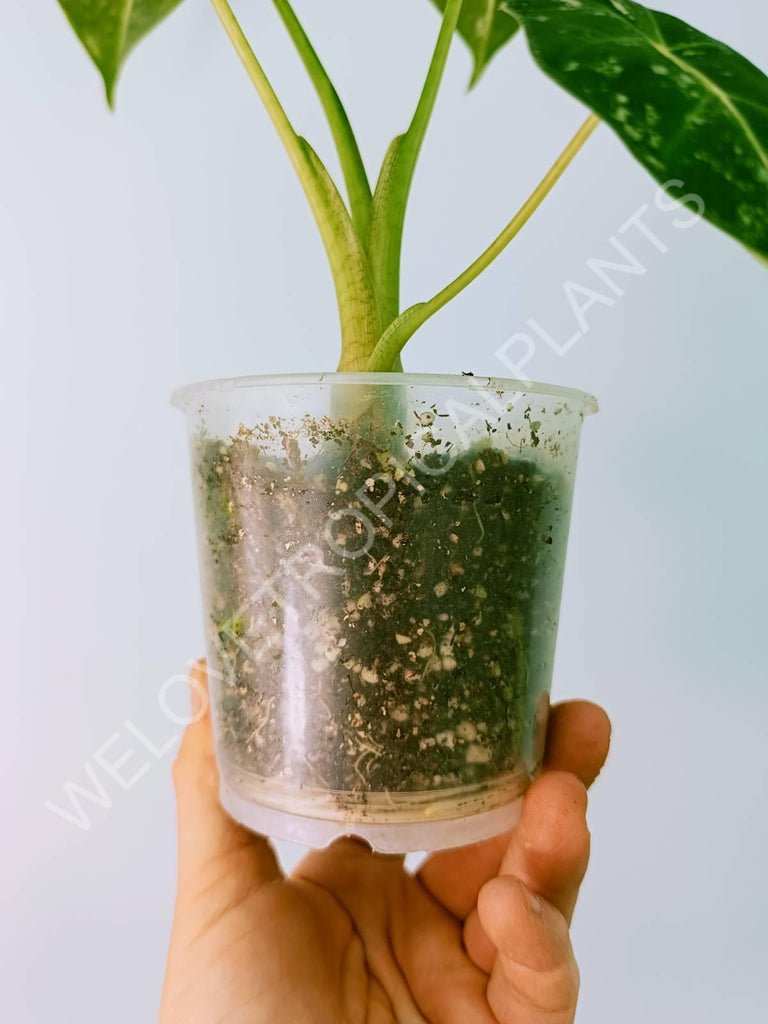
[(382, 553)]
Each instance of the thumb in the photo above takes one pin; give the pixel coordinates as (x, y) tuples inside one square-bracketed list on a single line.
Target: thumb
[(206, 833), (534, 976)]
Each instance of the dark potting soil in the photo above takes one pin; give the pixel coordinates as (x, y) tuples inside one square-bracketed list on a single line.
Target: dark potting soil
[(378, 633)]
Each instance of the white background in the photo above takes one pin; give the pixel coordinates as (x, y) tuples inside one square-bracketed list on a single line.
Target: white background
[(169, 242)]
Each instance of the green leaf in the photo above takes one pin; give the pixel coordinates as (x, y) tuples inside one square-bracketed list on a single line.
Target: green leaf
[(687, 106), (109, 29), (485, 25)]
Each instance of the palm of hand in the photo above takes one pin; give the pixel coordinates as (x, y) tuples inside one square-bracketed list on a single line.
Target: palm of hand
[(478, 936)]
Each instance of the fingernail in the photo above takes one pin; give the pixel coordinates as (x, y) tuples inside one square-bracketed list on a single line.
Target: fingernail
[(533, 902)]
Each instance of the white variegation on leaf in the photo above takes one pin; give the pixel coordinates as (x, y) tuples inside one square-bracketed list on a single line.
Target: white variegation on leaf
[(687, 106)]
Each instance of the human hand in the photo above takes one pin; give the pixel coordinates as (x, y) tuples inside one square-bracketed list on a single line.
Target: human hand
[(478, 936)]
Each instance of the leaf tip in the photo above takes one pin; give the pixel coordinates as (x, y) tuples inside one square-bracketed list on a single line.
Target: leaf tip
[(109, 75), (477, 74)]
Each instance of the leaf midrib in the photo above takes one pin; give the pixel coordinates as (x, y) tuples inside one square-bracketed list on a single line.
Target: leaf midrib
[(123, 32), (662, 47), (490, 19)]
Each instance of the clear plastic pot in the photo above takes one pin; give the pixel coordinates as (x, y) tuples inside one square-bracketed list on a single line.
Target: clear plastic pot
[(382, 560)]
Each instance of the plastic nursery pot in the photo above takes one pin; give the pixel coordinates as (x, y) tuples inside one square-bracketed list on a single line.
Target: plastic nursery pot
[(382, 560)]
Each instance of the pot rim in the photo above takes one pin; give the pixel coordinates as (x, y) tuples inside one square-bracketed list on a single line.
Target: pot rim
[(183, 397)]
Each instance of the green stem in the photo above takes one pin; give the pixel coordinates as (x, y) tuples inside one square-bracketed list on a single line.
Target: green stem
[(267, 94), (349, 263), (394, 185), (423, 114), (395, 337), (353, 169)]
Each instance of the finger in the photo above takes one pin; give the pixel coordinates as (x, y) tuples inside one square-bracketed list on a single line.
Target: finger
[(206, 832), (578, 740), (548, 852), (534, 978)]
